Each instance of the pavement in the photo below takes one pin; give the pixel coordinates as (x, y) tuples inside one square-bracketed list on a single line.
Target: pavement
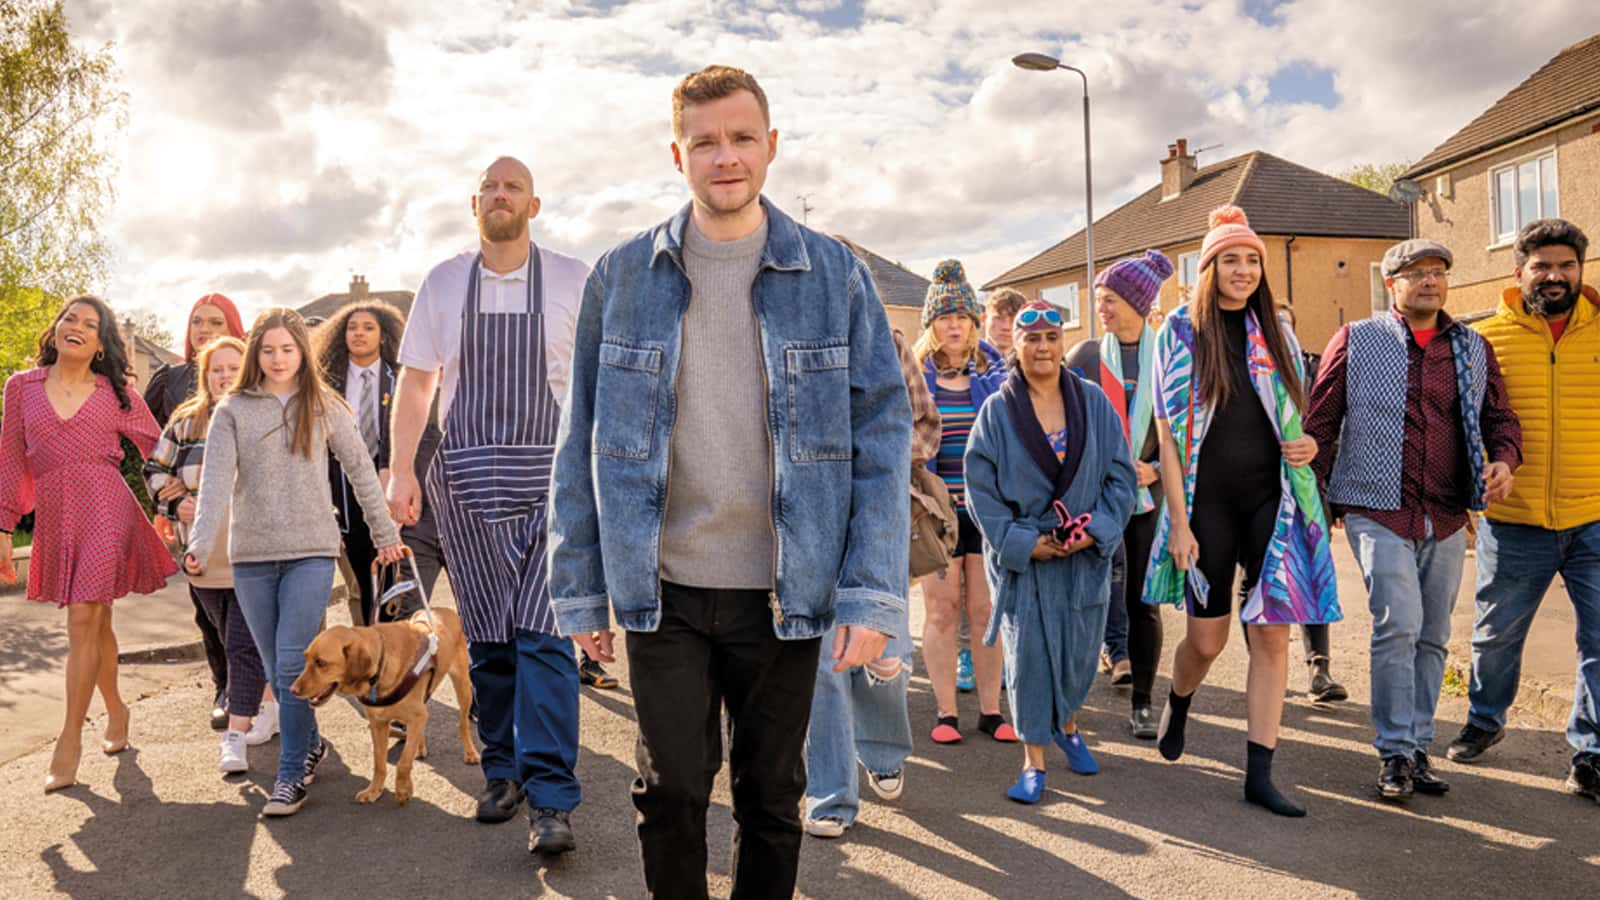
[(158, 820)]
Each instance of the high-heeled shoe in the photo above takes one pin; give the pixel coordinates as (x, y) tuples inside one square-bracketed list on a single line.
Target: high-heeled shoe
[(54, 782), (112, 746)]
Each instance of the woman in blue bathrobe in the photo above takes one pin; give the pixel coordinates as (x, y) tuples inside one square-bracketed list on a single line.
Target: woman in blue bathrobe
[(1051, 486)]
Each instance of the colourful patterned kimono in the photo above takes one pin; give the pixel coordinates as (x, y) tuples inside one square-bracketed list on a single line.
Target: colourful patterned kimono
[(1298, 584)]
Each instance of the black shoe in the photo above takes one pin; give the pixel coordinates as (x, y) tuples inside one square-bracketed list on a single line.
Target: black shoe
[(499, 801), (314, 759), (1144, 723), (1394, 780), (1323, 688), (1423, 778), (591, 673), (219, 711), (1584, 779), (1472, 742), (550, 832)]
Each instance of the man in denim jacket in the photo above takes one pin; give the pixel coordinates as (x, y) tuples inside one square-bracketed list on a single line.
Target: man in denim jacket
[(730, 478)]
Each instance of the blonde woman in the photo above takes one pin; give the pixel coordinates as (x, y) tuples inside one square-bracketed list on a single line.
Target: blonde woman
[(961, 374)]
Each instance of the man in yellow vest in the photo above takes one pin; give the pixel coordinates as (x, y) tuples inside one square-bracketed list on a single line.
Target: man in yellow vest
[(1546, 335)]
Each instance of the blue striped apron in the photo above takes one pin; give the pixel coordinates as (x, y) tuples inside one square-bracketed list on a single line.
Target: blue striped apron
[(491, 477)]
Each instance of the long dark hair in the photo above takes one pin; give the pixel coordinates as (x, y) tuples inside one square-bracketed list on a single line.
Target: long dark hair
[(311, 398), (112, 359), (333, 354), (1211, 340)]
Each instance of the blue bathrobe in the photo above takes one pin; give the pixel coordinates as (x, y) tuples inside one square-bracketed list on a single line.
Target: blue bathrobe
[(1052, 614)]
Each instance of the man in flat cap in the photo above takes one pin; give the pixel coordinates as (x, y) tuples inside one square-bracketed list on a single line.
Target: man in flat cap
[(1411, 414)]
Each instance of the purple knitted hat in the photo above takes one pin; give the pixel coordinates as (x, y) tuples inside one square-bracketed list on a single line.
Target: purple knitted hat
[(1137, 279)]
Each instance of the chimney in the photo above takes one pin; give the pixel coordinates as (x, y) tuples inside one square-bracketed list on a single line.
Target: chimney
[(1177, 170), (358, 287)]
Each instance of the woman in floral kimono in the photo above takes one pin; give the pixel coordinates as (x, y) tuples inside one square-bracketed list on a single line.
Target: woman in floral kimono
[(1231, 386), (1051, 486)]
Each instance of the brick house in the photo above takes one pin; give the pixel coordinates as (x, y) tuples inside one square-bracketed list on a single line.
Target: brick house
[(901, 290), (1535, 153), (1324, 239), (328, 304)]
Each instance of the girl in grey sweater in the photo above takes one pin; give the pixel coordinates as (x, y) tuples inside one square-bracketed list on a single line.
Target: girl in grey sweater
[(266, 451)]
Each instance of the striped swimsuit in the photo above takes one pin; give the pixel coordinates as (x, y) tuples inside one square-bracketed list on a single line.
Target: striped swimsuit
[(955, 425)]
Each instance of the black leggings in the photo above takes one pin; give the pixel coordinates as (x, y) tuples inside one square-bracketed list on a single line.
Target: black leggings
[(1234, 514), (1144, 619)]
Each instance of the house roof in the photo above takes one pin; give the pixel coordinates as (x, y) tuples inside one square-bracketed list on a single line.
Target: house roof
[(896, 284), (142, 344), (1279, 196), (328, 304), (1565, 87)]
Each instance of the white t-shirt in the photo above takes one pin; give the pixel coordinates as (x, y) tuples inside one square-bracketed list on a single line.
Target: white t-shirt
[(433, 332)]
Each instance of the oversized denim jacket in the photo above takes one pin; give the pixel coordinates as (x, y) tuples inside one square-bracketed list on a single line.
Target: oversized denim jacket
[(838, 417)]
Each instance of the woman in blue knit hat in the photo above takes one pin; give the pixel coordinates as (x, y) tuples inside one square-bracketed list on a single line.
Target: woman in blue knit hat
[(961, 372)]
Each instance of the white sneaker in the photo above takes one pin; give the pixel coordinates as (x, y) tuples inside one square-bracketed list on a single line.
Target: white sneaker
[(888, 787), (825, 827), (263, 726), (233, 759)]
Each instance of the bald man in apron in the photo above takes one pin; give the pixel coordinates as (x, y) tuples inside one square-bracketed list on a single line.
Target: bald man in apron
[(498, 324)]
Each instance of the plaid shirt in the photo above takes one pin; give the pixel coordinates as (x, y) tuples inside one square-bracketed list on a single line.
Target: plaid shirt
[(177, 455), (924, 414)]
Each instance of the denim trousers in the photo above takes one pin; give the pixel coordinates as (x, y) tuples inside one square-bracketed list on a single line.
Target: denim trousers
[(1411, 590), (716, 648), (854, 720), (283, 602), (1516, 564), (527, 693)]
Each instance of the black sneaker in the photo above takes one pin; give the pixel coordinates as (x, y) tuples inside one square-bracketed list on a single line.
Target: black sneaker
[(286, 799), (314, 759), (1394, 779), (219, 711), (550, 832), (1584, 779), (1423, 778), (1472, 742), (591, 673)]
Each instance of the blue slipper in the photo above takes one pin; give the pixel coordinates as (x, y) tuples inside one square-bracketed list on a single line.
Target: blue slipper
[(1078, 757), (965, 682), (1029, 786)]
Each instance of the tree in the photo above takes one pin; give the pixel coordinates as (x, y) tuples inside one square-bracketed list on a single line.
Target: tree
[(1377, 177), (148, 326), (60, 108)]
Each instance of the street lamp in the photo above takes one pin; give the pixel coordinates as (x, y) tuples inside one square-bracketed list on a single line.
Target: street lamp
[(1038, 62)]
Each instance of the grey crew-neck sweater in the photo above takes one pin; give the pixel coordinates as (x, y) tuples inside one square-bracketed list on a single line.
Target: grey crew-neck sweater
[(281, 506), (717, 531)]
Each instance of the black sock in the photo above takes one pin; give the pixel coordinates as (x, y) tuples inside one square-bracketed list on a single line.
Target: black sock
[(989, 723), (1176, 715), (1258, 787), (952, 721)]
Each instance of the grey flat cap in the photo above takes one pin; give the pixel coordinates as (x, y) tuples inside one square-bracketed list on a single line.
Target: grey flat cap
[(1407, 252)]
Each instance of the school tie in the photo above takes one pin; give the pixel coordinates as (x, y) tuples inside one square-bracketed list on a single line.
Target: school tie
[(369, 412)]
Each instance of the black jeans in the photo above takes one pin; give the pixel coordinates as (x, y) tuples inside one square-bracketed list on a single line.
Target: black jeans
[(717, 647), (1144, 619)]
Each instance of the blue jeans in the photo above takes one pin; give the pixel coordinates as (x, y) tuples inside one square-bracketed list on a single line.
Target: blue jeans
[(1116, 640), (1516, 564), (851, 720), (283, 603), (527, 693), (1411, 590)]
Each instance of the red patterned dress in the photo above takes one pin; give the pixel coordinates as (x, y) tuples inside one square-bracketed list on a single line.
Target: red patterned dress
[(91, 541)]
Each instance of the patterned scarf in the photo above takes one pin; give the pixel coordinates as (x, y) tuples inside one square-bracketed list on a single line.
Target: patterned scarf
[(1136, 422), (1298, 583)]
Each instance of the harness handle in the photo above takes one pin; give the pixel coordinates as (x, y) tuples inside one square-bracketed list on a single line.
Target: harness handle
[(390, 598)]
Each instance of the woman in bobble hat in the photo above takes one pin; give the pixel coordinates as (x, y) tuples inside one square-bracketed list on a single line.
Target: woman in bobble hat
[(1235, 457), (962, 373)]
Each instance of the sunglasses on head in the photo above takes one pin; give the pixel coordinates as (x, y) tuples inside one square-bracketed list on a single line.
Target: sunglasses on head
[(1030, 316)]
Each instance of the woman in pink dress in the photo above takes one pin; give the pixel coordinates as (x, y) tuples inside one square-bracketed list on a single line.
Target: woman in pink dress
[(60, 451)]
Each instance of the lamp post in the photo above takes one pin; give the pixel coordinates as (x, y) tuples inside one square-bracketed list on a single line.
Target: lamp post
[(1039, 62)]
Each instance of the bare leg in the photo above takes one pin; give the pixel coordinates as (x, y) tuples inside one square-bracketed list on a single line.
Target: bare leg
[(1033, 756), (1266, 682), (987, 662), (1201, 645), (83, 665), (117, 712), (941, 597)]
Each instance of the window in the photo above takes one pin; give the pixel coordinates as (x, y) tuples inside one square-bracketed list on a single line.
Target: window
[(1520, 193), (1066, 297), (1380, 294), (1188, 276)]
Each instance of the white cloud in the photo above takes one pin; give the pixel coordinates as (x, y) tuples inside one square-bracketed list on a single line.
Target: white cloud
[(276, 147)]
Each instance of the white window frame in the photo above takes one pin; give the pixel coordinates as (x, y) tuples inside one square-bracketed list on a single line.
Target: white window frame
[(1186, 286), (1380, 291), (1498, 238), (1068, 301)]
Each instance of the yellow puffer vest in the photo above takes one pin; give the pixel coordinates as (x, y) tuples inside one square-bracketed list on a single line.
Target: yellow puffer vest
[(1555, 391)]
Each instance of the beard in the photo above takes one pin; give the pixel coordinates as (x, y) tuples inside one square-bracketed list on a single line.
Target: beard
[(1546, 305), (506, 228)]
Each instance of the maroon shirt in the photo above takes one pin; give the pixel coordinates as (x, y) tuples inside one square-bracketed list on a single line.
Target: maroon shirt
[(1435, 475)]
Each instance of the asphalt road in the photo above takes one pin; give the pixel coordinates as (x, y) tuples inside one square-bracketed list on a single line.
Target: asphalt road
[(159, 821)]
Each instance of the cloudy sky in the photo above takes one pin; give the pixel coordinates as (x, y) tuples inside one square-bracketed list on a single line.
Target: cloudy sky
[(275, 147)]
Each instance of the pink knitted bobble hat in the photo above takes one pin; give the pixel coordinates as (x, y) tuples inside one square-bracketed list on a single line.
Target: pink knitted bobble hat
[(1229, 228)]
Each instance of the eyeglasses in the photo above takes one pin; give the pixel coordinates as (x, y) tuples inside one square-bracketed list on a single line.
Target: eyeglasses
[(1421, 275), (1029, 316)]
